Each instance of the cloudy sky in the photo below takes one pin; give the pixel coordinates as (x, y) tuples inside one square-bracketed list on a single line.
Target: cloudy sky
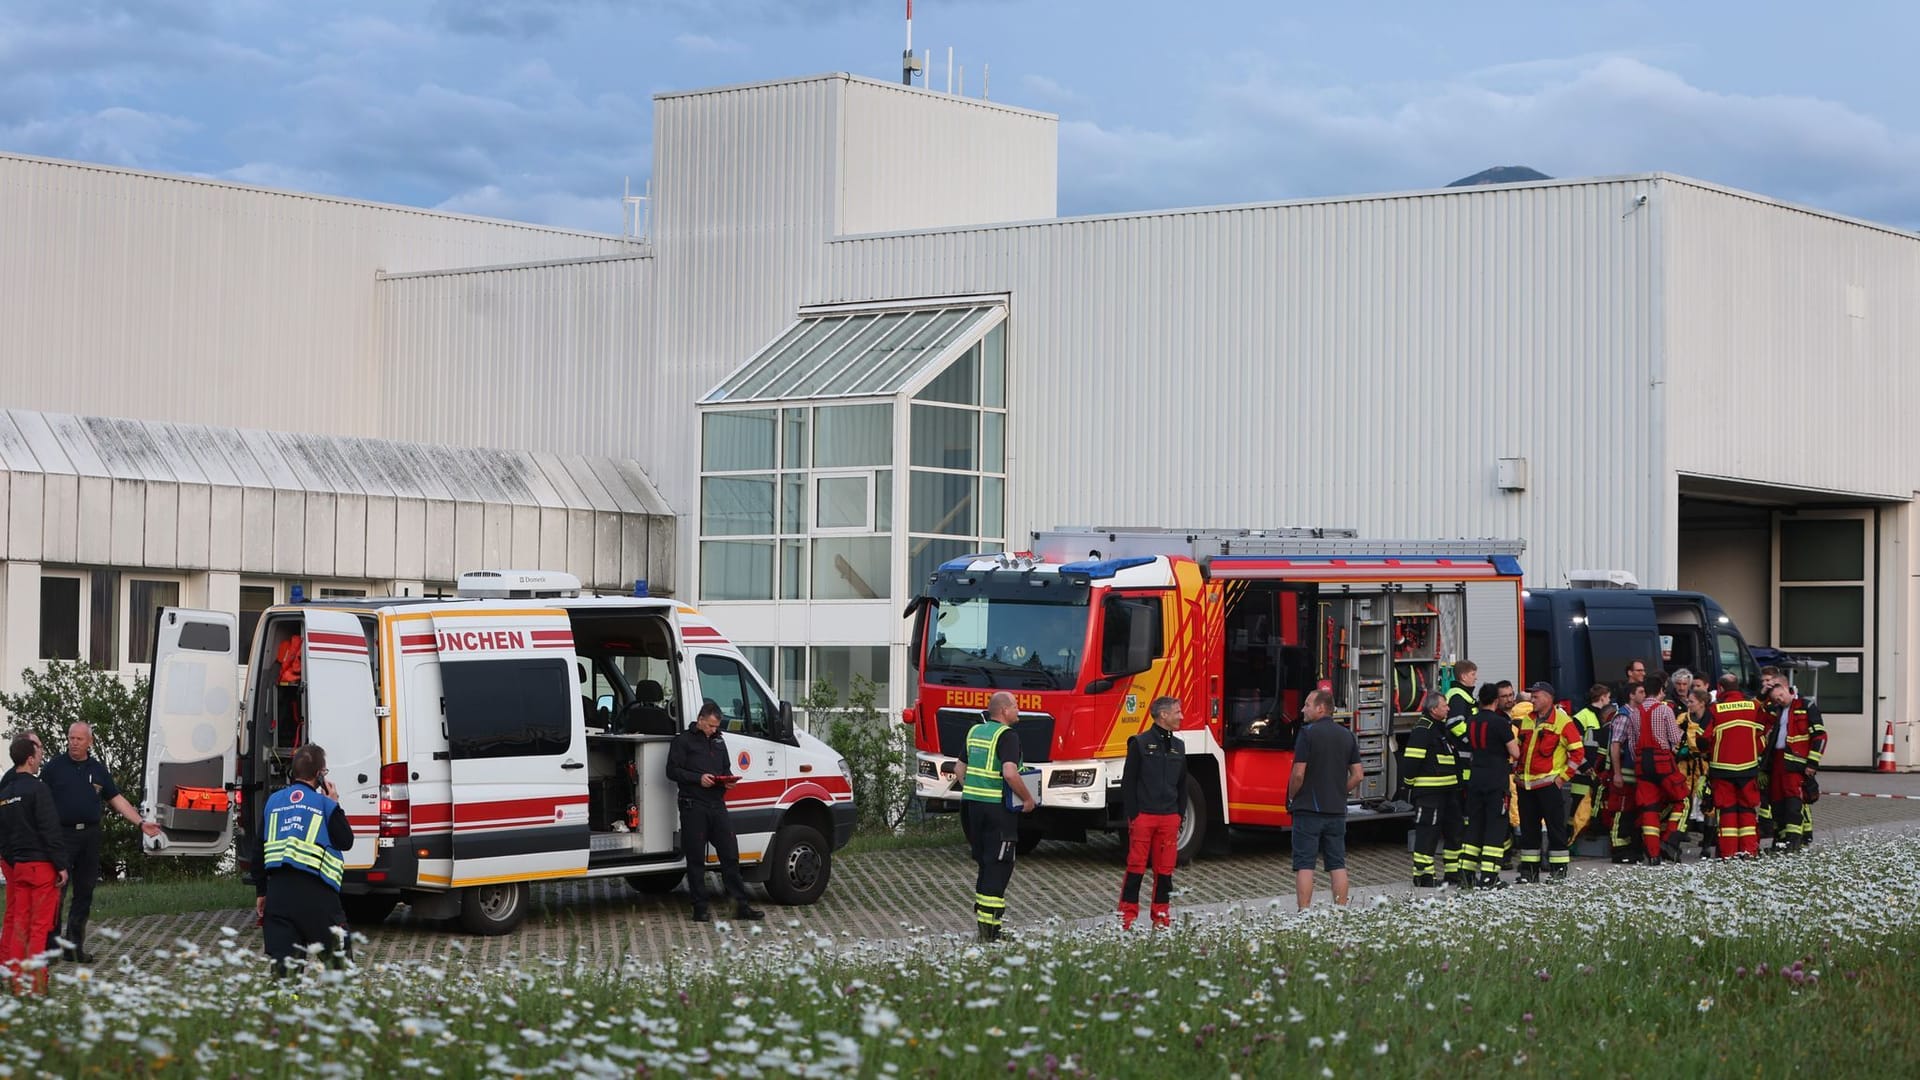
[(538, 109)]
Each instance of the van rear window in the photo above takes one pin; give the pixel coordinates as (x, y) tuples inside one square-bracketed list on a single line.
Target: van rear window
[(508, 708)]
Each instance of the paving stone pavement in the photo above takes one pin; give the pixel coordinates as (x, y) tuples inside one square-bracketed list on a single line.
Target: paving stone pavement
[(889, 894)]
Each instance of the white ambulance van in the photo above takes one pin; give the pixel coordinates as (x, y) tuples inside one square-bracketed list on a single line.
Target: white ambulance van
[(514, 734)]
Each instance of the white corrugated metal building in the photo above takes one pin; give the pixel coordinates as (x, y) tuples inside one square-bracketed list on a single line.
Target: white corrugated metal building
[(857, 340)]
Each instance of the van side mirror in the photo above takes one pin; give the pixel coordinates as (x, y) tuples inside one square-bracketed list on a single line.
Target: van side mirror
[(783, 723), (1131, 634)]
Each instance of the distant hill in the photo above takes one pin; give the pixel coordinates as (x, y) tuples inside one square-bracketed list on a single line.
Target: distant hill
[(1501, 174)]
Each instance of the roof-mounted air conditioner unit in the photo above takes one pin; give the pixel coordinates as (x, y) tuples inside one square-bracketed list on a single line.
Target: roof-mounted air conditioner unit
[(1602, 579)]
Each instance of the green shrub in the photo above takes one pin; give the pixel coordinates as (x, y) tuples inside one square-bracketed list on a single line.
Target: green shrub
[(877, 749), (67, 693)]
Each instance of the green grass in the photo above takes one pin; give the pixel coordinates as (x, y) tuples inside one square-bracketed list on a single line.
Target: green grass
[(938, 831), (1643, 973), (131, 899)]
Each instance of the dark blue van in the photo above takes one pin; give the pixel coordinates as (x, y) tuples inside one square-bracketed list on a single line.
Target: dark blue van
[(1577, 637)]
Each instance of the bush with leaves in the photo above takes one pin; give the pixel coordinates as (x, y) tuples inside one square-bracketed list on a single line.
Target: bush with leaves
[(68, 693), (877, 749)]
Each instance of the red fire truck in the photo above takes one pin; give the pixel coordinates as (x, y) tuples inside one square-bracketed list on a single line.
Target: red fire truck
[(1093, 624)]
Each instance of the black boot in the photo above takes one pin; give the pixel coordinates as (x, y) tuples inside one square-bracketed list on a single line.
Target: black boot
[(1529, 874), (1490, 879), (1557, 873), (989, 933), (747, 913), (1456, 879), (700, 915), (1425, 881)]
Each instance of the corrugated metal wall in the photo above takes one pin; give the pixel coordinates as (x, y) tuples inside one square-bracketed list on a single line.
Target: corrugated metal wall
[(1776, 312), (1355, 363), (912, 159), (555, 357), (168, 298), (743, 203)]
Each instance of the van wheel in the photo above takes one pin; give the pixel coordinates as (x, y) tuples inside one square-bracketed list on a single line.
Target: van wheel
[(800, 865), (368, 909), (656, 884), (494, 909), (1028, 840), (1193, 822)]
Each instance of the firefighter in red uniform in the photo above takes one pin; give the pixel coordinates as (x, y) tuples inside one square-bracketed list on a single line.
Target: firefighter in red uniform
[(1653, 736), (1799, 737), (1732, 742), (1153, 793)]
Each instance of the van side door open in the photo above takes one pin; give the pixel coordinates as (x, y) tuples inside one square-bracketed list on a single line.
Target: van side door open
[(342, 718), (516, 743), (192, 724)]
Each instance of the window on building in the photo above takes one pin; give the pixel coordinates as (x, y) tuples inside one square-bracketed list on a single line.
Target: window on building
[(61, 616), (798, 497), (508, 708), (839, 665), (145, 598), (103, 618), (254, 602)]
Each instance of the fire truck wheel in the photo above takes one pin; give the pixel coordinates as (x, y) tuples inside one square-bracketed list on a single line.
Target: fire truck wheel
[(494, 909), (1193, 822), (801, 864), (368, 909), (657, 884)]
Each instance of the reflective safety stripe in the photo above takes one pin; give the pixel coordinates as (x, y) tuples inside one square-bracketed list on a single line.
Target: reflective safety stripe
[(303, 851), (983, 782)]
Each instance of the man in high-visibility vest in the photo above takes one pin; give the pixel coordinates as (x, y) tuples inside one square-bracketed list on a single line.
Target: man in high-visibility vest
[(1551, 750), (993, 770), (1460, 865), (1430, 770), (1732, 743), (1586, 789), (1799, 737), (304, 833)]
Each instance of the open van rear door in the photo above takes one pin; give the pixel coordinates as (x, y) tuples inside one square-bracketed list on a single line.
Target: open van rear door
[(343, 719), (193, 721)]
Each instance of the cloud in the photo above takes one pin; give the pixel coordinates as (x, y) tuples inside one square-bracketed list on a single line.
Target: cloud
[(110, 136), (707, 45), (1266, 138), (601, 213), (1046, 91), (527, 144), (525, 19)]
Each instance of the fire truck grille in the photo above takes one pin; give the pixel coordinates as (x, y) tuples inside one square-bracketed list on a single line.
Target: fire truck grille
[(1035, 731)]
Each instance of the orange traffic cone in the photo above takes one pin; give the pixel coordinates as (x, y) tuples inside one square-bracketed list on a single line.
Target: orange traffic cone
[(1885, 762)]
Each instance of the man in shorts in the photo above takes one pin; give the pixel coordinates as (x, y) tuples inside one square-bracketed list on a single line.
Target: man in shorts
[(1326, 769)]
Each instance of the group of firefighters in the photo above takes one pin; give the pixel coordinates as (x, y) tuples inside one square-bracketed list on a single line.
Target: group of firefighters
[(1639, 761)]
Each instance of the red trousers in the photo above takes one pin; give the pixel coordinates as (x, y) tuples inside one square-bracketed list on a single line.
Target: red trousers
[(1782, 784), (1151, 838), (33, 900), (1738, 804), (1656, 824)]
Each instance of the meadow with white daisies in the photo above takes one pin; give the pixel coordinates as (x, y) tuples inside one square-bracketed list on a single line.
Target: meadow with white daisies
[(1752, 969)]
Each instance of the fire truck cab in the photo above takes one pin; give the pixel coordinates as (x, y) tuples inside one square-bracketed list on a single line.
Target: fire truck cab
[(1091, 626)]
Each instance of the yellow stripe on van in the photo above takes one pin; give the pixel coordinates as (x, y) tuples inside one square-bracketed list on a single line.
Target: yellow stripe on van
[(500, 879)]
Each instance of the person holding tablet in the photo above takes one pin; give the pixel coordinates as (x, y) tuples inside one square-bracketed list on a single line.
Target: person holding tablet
[(698, 761)]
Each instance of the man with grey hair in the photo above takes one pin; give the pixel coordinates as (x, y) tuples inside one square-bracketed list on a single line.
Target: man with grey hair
[(1430, 771), (1153, 795), (80, 783)]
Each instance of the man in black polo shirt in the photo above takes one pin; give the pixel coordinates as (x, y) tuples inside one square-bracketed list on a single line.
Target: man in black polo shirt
[(80, 782)]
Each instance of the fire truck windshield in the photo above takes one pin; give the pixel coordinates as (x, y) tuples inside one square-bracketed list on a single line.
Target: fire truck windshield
[(1006, 644)]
